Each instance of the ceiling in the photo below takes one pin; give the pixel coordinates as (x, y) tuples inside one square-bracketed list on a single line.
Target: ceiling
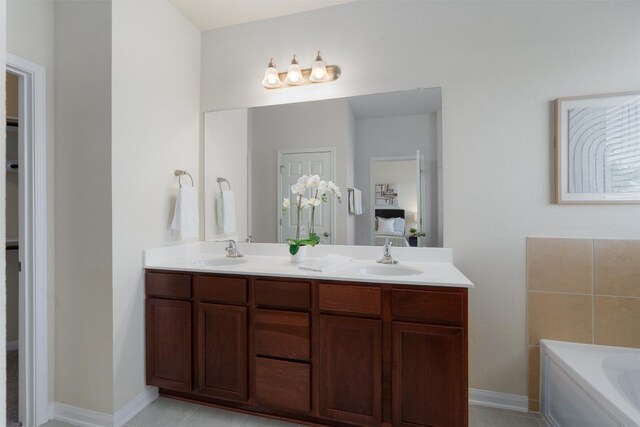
[(395, 104), (210, 14)]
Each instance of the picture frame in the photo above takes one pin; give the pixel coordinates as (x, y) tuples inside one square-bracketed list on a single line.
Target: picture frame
[(386, 195), (597, 140)]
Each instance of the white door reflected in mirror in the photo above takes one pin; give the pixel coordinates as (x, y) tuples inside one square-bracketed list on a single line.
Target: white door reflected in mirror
[(293, 163)]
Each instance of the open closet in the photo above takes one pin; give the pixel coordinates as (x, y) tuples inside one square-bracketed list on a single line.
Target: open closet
[(12, 279)]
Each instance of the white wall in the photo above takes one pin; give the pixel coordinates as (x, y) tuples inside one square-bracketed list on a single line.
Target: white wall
[(351, 175), (397, 136), (30, 36), (3, 362), (156, 129), (500, 65), (308, 125), (83, 337), (226, 136)]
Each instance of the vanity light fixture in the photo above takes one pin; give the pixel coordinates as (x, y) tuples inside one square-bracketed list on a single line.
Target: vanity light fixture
[(296, 76), (271, 78), (318, 70)]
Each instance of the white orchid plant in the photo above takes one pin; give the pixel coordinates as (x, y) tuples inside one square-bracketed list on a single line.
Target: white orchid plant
[(318, 191)]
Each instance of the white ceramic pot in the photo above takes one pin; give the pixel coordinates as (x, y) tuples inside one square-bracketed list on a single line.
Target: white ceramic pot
[(300, 255)]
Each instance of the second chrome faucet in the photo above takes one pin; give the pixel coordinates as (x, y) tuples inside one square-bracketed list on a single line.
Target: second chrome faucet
[(386, 254), (232, 250)]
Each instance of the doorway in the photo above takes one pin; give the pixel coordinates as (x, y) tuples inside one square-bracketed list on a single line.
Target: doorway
[(12, 246), (32, 241)]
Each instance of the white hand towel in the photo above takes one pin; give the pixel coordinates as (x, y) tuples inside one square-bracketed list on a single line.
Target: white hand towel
[(352, 208), (227, 212), (327, 263), (357, 199), (185, 216)]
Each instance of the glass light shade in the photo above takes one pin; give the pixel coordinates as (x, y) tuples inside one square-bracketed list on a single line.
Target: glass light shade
[(271, 78), (318, 70), (294, 74)]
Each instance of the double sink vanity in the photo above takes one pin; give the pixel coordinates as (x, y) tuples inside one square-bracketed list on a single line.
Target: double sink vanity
[(365, 344)]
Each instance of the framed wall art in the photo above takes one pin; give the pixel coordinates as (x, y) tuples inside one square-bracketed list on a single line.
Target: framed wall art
[(598, 148), (386, 195)]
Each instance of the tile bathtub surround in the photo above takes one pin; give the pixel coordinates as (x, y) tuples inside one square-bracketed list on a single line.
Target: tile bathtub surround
[(581, 290), (559, 265), (616, 267), (616, 321), (562, 317)]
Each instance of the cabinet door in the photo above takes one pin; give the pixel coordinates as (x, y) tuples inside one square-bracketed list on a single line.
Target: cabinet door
[(222, 351), (428, 376), (168, 337), (351, 369)]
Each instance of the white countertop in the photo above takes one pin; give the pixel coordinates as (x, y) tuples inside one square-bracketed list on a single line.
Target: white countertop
[(267, 259)]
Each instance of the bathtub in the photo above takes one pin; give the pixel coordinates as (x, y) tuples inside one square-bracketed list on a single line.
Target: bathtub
[(583, 385)]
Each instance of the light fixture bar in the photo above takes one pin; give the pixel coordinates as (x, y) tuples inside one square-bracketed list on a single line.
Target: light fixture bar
[(319, 72), (333, 73)]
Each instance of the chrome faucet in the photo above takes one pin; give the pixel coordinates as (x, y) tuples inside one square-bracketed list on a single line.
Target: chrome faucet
[(386, 254), (232, 250)]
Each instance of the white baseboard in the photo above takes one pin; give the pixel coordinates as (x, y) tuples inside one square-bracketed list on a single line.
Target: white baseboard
[(79, 416), (132, 408), (492, 399), (12, 345), (87, 418)]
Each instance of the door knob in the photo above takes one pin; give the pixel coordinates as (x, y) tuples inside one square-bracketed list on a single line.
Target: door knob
[(326, 234)]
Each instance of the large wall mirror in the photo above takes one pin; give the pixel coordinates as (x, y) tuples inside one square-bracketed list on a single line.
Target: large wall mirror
[(383, 151)]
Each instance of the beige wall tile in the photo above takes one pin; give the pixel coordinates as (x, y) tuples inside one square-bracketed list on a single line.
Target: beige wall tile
[(559, 265), (616, 267), (563, 317), (534, 372), (534, 405), (617, 321)]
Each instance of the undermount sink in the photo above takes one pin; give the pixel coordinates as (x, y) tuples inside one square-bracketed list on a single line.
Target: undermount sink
[(388, 270), (218, 262)]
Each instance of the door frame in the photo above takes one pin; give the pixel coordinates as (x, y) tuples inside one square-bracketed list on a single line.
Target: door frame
[(372, 190), (33, 344), (332, 152)]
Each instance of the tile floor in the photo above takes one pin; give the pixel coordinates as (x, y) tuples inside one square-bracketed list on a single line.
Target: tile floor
[(175, 413)]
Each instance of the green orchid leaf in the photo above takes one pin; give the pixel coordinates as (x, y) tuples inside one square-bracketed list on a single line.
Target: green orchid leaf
[(293, 249)]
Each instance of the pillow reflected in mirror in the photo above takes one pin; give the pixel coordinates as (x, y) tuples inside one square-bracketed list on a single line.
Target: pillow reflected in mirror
[(386, 225)]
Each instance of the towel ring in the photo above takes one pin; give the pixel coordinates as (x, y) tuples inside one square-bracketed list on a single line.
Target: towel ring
[(179, 174), (220, 180)]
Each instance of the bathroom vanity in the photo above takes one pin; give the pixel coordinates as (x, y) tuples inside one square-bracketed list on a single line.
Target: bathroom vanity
[(340, 348)]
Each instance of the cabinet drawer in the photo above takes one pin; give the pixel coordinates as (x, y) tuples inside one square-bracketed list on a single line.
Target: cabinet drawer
[(271, 293), (283, 385), (350, 299), (168, 285), (220, 289), (428, 306), (282, 334)]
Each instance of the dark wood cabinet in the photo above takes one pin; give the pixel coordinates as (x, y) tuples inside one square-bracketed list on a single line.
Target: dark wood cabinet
[(324, 353), (168, 340), (428, 369), (283, 384), (351, 369), (222, 351)]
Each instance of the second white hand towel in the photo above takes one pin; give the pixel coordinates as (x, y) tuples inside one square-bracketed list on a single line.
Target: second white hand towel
[(357, 202), (185, 216), (227, 212)]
